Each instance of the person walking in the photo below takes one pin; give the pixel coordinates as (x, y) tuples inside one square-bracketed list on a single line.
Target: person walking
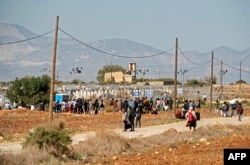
[(131, 116), (225, 108), (125, 119), (138, 115), (125, 104), (102, 107), (239, 110), (96, 106), (185, 109), (217, 105), (121, 106), (191, 119), (91, 109), (115, 106), (85, 105)]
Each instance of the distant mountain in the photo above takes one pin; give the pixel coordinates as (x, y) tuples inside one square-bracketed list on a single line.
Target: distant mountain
[(30, 57)]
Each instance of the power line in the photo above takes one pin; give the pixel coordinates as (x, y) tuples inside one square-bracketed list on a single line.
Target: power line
[(14, 42), (111, 54), (233, 66), (182, 53)]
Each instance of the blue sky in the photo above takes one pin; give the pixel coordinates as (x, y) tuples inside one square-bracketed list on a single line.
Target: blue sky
[(200, 25)]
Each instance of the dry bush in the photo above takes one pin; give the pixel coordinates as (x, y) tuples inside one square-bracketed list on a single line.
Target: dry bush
[(101, 147), (53, 139), (105, 142), (29, 156)]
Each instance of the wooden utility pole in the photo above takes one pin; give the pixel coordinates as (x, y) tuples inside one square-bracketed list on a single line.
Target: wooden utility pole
[(175, 76), (111, 76), (211, 82), (221, 78), (53, 68), (240, 75)]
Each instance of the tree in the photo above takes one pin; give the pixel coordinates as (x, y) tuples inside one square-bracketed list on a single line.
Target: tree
[(192, 82), (108, 69), (240, 82), (30, 90)]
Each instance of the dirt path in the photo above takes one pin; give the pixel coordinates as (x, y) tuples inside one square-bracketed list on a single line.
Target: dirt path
[(180, 126), (141, 132)]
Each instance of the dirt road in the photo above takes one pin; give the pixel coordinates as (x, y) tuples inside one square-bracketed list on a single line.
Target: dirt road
[(141, 132)]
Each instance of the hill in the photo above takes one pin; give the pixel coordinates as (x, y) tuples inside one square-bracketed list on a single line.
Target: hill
[(28, 58)]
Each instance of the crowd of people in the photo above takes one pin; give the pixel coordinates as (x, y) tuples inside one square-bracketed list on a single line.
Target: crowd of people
[(228, 108), (134, 108), (80, 106)]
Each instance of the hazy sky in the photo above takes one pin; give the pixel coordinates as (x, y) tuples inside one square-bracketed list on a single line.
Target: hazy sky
[(201, 25)]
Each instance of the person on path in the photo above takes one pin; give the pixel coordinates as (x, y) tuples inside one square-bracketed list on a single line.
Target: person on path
[(239, 110), (225, 108), (102, 106), (191, 119), (96, 106), (185, 109), (125, 119), (217, 105), (91, 109), (125, 104), (138, 115), (121, 106), (131, 116), (115, 106)]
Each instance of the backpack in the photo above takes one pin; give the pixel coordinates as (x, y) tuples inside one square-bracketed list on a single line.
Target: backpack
[(190, 117)]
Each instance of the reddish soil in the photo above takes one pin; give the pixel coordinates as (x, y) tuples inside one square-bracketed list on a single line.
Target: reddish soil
[(15, 123)]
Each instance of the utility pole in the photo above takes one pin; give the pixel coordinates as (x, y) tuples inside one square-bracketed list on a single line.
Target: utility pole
[(222, 72), (211, 81), (221, 69), (111, 77), (175, 76), (240, 75), (53, 68)]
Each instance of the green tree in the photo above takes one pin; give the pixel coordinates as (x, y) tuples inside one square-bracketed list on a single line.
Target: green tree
[(240, 82), (192, 82), (108, 69), (77, 81), (30, 90)]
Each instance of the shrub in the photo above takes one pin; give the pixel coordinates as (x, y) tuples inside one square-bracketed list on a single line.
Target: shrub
[(53, 139)]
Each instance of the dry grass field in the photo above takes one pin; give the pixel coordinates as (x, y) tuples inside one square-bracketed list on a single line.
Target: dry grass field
[(171, 147)]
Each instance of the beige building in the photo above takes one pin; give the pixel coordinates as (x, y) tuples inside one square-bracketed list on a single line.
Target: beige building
[(117, 77)]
